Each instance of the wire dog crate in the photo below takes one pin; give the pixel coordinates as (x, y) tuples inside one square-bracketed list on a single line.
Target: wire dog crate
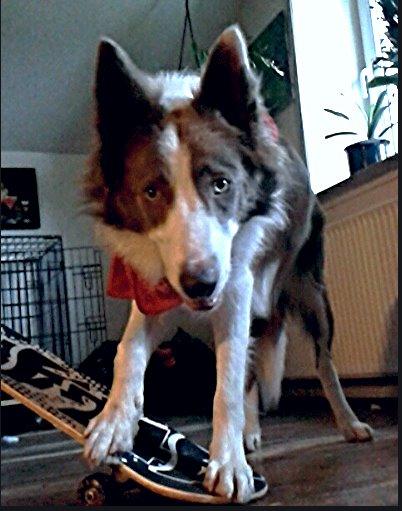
[(53, 296)]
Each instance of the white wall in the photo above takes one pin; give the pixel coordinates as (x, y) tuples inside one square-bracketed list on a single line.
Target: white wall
[(49, 51), (254, 16), (58, 178)]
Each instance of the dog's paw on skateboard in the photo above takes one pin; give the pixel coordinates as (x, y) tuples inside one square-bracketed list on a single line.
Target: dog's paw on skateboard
[(231, 478), (109, 432)]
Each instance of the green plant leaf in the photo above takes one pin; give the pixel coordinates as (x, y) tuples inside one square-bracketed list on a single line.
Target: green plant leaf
[(375, 120), (377, 104), (386, 129), (339, 114), (383, 80), (340, 133), (365, 112), (370, 115)]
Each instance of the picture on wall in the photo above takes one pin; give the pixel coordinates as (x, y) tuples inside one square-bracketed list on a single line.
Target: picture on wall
[(269, 54), (19, 199)]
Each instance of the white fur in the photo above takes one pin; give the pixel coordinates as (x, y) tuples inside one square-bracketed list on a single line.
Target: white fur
[(136, 249), (168, 142), (175, 88), (114, 428), (231, 326), (190, 235)]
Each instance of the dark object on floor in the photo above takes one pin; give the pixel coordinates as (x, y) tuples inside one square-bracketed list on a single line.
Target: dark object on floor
[(99, 364), (363, 154), (180, 378), (16, 419), (185, 388)]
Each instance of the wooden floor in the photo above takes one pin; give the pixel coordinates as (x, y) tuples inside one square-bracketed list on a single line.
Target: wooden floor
[(303, 457)]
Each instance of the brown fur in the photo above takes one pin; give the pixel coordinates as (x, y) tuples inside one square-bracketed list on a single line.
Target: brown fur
[(215, 151)]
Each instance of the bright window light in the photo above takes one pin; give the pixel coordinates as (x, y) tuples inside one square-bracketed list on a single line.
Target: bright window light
[(330, 58)]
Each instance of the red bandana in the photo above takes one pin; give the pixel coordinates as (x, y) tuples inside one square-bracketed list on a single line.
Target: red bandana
[(124, 282)]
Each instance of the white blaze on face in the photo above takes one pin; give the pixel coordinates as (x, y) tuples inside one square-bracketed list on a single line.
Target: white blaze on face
[(189, 235)]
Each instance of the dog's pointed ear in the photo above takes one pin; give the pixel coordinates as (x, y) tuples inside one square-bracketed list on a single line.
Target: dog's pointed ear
[(120, 90), (123, 106), (228, 85)]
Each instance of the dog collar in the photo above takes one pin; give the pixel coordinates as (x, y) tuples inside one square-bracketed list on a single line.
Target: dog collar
[(125, 283)]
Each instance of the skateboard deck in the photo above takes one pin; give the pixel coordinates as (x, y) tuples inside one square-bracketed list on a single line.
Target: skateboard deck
[(163, 460)]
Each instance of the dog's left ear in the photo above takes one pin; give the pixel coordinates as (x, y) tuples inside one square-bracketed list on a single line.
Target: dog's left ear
[(228, 85)]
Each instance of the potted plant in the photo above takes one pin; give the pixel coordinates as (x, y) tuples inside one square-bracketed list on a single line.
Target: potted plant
[(365, 152)]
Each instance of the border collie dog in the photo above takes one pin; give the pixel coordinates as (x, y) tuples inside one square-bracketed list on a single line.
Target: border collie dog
[(193, 192)]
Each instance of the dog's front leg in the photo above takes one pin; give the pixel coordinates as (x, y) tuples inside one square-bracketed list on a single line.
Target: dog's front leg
[(228, 473), (115, 427)]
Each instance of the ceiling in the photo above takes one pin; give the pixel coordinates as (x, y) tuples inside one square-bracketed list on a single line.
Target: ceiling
[(48, 55)]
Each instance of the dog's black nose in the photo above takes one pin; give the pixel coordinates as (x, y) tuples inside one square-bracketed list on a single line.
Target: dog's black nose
[(199, 285)]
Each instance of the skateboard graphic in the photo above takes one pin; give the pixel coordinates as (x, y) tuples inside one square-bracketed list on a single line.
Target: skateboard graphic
[(162, 461)]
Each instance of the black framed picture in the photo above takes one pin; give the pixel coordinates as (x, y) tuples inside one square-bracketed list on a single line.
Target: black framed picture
[(19, 199)]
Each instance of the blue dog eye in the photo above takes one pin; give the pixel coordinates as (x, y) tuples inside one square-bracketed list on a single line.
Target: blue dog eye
[(220, 185)]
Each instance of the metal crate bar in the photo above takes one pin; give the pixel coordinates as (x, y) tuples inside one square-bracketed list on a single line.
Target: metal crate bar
[(53, 295)]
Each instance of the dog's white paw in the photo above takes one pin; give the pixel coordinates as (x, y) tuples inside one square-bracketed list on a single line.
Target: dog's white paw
[(111, 431), (252, 440), (230, 476), (357, 431)]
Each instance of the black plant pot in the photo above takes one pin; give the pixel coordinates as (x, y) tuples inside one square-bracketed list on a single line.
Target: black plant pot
[(362, 154)]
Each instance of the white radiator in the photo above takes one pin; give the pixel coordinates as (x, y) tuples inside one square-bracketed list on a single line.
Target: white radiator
[(361, 276)]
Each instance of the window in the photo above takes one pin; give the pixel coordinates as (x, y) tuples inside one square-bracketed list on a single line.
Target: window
[(334, 47), (375, 41)]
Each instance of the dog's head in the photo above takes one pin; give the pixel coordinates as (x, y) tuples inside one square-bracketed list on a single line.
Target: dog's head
[(178, 172)]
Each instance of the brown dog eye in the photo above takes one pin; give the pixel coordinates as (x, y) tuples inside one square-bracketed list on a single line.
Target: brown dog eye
[(151, 192), (220, 185)]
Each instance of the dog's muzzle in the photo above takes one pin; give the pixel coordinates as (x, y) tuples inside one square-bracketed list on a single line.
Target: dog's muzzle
[(199, 281)]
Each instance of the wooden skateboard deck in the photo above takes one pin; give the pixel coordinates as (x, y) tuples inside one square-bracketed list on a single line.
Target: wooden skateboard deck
[(163, 460)]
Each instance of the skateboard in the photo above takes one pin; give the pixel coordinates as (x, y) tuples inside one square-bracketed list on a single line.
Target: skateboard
[(163, 460)]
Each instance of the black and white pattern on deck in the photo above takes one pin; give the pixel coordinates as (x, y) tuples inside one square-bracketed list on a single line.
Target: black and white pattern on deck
[(45, 379)]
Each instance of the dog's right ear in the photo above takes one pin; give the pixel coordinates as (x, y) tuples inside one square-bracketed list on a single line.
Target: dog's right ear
[(123, 108)]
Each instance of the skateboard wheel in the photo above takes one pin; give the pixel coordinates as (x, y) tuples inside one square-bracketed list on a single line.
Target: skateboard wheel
[(96, 489)]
